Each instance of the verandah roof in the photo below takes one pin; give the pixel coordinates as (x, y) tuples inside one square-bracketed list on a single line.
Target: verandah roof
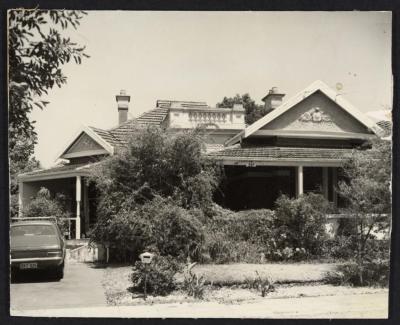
[(282, 155), (64, 171)]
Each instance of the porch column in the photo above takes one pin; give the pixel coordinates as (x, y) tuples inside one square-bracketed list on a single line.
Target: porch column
[(325, 180), (299, 181), (86, 206), (20, 198), (334, 186), (78, 208)]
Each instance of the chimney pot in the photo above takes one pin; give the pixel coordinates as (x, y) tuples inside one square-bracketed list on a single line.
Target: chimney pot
[(273, 99), (123, 106)]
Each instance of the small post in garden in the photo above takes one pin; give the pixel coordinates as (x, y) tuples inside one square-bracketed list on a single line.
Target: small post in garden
[(146, 259)]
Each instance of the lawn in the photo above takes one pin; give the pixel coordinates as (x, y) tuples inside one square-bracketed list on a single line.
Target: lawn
[(291, 280), (235, 274)]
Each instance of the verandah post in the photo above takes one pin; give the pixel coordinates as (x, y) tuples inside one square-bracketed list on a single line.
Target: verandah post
[(299, 181), (325, 180), (78, 208)]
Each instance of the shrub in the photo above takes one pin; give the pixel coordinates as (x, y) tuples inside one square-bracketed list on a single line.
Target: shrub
[(193, 284), (299, 225), (160, 276), (372, 274), (243, 236), (262, 284), (174, 231), (159, 224)]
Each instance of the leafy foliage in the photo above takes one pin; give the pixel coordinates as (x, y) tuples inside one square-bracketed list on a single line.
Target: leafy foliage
[(158, 164), (158, 225), (300, 225), (367, 196), (253, 111), (160, 276), (193, 284), (262, 284), (21, 161), (242, 236), (36, 52), (45, 206), (294, 231), (373, 274)]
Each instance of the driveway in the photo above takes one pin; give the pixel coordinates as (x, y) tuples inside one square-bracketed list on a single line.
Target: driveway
[(80, 287)]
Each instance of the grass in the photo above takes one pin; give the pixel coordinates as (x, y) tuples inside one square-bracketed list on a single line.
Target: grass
[(236, 274)]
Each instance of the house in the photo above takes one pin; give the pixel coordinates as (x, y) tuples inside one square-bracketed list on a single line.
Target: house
[(297, 147)]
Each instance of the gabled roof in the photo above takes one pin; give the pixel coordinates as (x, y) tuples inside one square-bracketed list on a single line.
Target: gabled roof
[(95, 135), (117, 137), (300, 96)]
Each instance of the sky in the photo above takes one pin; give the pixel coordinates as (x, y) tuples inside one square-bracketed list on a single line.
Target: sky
[(204, 56)]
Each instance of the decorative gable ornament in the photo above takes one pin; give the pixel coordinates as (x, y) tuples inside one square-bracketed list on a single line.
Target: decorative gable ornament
[(315, 115)]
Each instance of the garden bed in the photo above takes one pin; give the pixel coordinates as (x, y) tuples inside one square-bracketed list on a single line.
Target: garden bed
[(291, 280), (116, 283)]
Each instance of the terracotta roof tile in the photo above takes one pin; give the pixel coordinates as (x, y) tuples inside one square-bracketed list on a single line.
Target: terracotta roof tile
[(107, 136), (118, 136)]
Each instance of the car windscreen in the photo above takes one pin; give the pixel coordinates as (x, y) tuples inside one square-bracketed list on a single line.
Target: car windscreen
[(33, 230)]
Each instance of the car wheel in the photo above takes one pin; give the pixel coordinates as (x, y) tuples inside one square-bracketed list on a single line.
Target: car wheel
[(59, 272)]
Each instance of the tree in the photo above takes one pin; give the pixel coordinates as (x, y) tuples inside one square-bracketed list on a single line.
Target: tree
[(156, 163), (36, 52), (253, 111), (367, 195), (151, 193)]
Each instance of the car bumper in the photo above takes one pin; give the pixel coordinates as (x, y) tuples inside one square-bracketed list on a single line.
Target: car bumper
[(41, 262)]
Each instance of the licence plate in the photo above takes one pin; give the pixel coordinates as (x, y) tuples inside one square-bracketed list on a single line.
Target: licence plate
[(24, 266)]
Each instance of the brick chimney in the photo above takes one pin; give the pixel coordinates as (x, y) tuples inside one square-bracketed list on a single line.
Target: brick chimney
[(273, 99), (123, 106)]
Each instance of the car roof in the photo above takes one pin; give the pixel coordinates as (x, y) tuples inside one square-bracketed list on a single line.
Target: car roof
[(32, 222)]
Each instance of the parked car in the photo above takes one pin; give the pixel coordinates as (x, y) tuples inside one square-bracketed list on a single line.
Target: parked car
[(37, 245)]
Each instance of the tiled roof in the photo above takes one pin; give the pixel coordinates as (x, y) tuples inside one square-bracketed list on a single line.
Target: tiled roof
[(386, 126), (107, 136), (211, 147), (58, 169), (118, 136), (280, 153)]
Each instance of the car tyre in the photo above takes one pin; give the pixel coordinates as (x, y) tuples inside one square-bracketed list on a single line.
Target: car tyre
[(59, 272)]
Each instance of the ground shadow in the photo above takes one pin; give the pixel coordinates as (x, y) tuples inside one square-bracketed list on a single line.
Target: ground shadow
[(33, 276)]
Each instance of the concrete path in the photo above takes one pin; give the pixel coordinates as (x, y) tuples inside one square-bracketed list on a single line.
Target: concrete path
[(81, 286), (346, 306)]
